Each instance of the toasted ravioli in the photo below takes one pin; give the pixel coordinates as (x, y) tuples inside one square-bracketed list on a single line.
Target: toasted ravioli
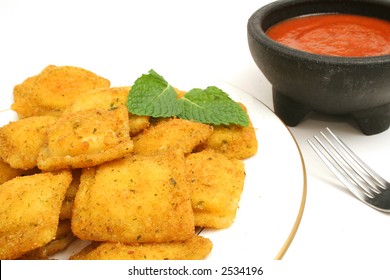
[(136, 199), (7, 172), (67, 204), (64, 237), (211, 219), (216, 183), (29, 211), (52, 90), (86, 138), (195, 248), (233, 141), (109, 99), (101, 98), (23, 94), (171, 134), (137, 124), (21, 141)]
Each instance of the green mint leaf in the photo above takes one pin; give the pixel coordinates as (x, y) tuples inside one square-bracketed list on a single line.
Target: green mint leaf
[(152, 96), (212, 106)]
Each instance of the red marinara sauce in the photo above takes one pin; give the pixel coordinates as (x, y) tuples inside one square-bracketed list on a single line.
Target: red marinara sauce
[(334, 34)]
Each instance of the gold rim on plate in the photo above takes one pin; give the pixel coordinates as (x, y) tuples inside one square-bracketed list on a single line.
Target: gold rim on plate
[(298, 219)]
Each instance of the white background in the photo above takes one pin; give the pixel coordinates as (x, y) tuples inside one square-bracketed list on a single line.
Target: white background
[(338, 236)]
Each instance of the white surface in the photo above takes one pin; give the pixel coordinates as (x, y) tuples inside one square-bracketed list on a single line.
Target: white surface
[(206, 38)]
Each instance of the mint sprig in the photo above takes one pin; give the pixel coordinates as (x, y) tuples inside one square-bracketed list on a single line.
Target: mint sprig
[(212, 106), (152, 96)]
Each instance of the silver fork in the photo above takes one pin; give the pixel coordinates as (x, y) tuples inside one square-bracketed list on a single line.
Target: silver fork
[(360, 179)]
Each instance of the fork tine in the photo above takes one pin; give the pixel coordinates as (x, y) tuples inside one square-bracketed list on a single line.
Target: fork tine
[(360, 179), (339, 171), (381, 182), (359, 175)]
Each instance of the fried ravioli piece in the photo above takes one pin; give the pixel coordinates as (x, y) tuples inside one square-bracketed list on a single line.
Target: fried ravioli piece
[(137, 124), (216, 183), (195, 248), (109, 99), (22, 92), (233, 141), (213, 220), (67, 204), (21, 141), (64, 237), (136, 199), (171, 134), (101, 98), (86, 138), (29, 211), (52, 90), (7, 172)]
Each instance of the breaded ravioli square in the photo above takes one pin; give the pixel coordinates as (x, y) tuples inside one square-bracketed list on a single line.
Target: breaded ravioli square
[(21, 141), (64, 237), (29, 211), (86, 138), (233, 141), (195, 248), (7, 172), (101, 98), (67, 204), (53, 89), (171, 134), (216, 183), (136, 199), (109, 99)]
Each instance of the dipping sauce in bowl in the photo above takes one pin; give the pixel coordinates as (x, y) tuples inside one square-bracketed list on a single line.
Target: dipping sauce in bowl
[(334, 34), (348, 74)]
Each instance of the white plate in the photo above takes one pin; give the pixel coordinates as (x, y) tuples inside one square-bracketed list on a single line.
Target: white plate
[(273, 199)]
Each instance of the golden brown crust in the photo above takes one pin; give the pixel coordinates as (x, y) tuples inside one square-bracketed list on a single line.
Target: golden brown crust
[(136, 199), (64, 237), (216, 183), (7, 172), (171, 134), (21, 141), (233, 141), (23, 200), (195, 248), (85, 139), (108, 99), (53, 89)]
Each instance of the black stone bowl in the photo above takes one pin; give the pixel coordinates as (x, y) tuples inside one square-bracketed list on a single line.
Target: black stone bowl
[(303, 82)]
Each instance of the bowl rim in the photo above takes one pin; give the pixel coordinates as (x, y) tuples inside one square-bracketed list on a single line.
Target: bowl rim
[(255, 30)]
